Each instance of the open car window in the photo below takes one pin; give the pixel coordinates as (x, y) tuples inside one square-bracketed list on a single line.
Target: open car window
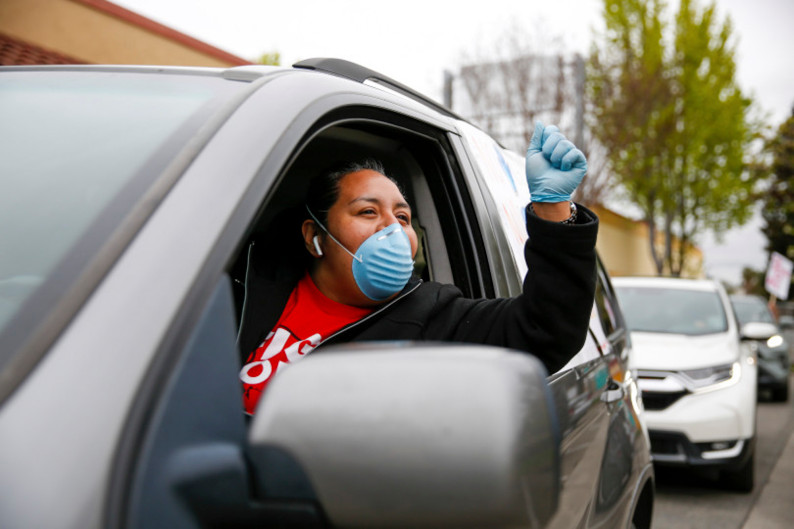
[(416, 157)]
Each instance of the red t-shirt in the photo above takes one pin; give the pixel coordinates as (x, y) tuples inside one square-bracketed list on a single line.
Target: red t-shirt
[(308, 318)]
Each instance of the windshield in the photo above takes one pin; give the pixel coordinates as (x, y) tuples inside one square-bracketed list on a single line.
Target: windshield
[(751, 310), (78, 151), (668, 310)]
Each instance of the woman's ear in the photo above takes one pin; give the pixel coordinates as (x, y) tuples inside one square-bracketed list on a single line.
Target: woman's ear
[(311, 238)]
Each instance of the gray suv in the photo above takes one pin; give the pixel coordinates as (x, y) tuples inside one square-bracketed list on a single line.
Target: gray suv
[(760, 329), (132, 200)]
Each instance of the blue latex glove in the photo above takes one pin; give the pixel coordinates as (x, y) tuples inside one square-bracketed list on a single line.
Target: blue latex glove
[(554, 165)]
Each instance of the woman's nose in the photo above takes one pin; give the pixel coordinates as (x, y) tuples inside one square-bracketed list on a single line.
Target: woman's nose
[(388, 219)]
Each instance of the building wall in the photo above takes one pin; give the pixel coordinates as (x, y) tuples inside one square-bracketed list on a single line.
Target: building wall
[(625, 251), (100, 32)]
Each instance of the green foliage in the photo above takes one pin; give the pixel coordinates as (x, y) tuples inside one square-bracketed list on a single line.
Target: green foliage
[(753, 282), (778, 201), (673, 120), (270, 59)]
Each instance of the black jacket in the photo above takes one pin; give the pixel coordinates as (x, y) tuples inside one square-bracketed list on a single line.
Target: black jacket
[(549, 319)]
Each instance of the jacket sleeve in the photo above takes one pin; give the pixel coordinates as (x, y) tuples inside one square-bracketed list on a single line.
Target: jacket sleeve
[(551, 317)]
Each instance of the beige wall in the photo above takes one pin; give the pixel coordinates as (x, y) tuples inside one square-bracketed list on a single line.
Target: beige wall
[(104, 33), (624, 249), (622, 245)]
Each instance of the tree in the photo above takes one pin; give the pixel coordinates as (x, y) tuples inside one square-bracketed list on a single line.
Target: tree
[(521, 77), (525, 76), (270, 59), (778, 201), (753, 281), (673, 121)]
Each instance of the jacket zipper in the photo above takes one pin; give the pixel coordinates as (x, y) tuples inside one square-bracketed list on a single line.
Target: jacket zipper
[(372, 315), (362, 320)]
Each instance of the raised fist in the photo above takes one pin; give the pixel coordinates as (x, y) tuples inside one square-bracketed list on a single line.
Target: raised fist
[(554, 166)]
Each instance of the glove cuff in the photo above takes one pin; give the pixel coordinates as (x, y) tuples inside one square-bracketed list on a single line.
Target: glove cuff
[(569, 220)]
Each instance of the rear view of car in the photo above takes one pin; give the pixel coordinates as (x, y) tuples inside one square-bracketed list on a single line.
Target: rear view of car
[(759, 328), (698, 380)]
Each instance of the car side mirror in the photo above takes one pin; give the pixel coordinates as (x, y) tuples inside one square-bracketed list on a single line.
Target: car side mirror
[(413, 435), (756, 330)]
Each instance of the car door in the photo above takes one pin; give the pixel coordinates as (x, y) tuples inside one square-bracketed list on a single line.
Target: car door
[(499, 180), (184, 459), (604, 454), (625, 487)]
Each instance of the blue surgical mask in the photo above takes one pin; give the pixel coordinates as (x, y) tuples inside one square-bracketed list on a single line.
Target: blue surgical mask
[(383, 263)]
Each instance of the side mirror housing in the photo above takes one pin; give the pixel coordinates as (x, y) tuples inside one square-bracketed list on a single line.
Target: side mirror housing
[(416, 435), (756, 330)]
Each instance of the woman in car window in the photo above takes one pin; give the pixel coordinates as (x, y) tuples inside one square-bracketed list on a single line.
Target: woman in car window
[(358, 284)]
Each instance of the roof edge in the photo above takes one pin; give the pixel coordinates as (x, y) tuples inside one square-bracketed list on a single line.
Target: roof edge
[(150, 25), (14, 51)]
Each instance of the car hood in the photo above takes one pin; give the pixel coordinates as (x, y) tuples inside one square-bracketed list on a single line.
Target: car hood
[(677, 352)]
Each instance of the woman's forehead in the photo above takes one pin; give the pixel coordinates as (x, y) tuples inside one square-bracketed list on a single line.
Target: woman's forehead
[(370, 186)]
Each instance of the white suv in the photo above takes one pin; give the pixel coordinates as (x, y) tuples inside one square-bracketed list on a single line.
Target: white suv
[(698, 379)]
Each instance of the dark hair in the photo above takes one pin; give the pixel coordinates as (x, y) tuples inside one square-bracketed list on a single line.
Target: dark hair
[(323, 190)]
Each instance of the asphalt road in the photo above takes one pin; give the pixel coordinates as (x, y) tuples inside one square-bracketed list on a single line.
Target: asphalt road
[(689, 500)]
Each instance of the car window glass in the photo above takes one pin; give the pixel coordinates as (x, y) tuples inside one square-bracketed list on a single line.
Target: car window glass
[(604, 310), (752, 309), (586, 354), (76, 156), (169, 468), (672, 310), (503, 173), (600, 333)]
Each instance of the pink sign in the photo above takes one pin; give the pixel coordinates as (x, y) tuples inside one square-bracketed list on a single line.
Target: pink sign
[(778, 276)]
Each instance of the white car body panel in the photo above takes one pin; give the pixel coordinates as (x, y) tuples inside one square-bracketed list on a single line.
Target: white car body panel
[(680, 352), (724, 414)]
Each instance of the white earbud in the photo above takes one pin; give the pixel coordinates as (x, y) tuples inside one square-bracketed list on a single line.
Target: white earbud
[(316, 241)]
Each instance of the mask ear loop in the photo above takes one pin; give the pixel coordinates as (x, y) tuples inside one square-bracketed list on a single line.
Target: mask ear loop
[(357, 258)]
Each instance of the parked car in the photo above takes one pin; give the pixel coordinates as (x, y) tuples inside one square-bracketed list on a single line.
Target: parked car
[(698, 381), (758, 325), (130, 200)]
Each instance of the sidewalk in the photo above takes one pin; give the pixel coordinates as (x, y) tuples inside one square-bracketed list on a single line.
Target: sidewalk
[(773, 510)]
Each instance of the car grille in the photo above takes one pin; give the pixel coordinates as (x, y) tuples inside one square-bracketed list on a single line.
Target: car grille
[(662, 444), (652, 400)]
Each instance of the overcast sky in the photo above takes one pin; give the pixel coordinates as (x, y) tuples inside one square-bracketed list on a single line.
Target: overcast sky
[(414, 41)]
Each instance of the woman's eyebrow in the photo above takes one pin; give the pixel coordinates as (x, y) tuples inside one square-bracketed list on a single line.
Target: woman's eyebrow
[(377, 202)]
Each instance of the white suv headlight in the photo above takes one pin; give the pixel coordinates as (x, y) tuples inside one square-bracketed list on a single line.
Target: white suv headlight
[(712, 378), (774, 341)]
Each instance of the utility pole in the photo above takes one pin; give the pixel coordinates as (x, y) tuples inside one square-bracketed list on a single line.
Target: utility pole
[(448, 79), (578, 66)]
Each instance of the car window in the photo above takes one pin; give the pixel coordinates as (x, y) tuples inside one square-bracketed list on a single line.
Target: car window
[(751, 310), (77, 155), (195, 438), (426, 174), (591, 350), (417, 155), (672, 310), (604, 303), (502, 172)]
